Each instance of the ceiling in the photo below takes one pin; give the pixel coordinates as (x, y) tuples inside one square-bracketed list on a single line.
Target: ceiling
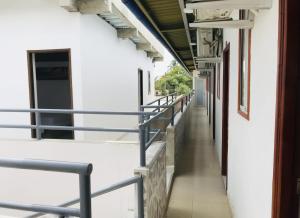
[(169, 21), (181, 25)]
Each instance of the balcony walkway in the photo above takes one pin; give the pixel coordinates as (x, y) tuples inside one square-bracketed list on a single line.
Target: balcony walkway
[(198, 190)]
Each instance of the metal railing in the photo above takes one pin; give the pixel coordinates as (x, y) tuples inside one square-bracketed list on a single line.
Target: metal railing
[(146, 137), (138, 180), (83, 170), (162, 101)]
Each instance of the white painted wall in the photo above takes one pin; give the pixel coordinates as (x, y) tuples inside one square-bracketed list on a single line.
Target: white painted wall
[(32, 25), (104, 68), (110, 75), (251, 143)]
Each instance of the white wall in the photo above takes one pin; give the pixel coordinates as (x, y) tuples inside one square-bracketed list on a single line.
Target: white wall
[(104, 68), (251, 143), (32, 25), (110, 75)]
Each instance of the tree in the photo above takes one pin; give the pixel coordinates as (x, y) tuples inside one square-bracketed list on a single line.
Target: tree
[(175, 80)]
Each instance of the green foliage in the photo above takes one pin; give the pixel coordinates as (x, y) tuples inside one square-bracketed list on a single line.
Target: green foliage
[(175, 80)]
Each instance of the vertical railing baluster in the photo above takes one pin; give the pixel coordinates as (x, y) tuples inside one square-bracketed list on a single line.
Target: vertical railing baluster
[(85, 196), (158, 105), (142, 145), (38, 124), (182, 105), (172, 118), (140, 190)]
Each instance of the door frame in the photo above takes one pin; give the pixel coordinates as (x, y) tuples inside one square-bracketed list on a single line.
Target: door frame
[(31, 85), (225, 109), (214, 103), (284, 184), (140, 88)]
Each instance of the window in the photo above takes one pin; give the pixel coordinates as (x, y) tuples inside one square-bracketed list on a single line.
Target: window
[(218, 80), (244, 67), (149, 83)]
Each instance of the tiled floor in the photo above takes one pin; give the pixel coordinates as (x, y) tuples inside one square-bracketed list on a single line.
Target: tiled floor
[(198, 190)]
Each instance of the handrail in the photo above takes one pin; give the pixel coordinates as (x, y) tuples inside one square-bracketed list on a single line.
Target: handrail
[(144, 127), (83, 170), (134, 180), (163, 97), (69, 111), (146, 118)]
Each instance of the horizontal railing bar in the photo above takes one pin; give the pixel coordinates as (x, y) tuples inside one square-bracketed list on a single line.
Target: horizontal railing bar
[(47, 165), (103, 191), (66, 111), (155, 106), (163, 97), (106, 190), (88, 129), (96, 129), (152, 139), (42, 209), (15, 126), (147, 122)]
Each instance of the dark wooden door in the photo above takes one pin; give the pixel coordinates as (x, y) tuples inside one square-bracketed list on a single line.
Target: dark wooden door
[(226, 63), (286, 188)]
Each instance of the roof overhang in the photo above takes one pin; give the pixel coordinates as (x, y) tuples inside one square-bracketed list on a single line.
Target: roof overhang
[(229, 4), (127, 25)]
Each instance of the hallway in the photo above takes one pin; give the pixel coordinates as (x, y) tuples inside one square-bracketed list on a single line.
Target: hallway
[(198, 190)]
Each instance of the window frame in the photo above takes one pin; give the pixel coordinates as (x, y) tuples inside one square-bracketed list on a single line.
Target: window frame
[(244, 113)]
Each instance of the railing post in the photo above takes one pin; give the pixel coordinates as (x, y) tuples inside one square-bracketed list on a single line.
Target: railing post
[(141, 117), (38, 123), (85, 196), (182, 105), (172, 118), (140, 190), (142, 145), (148, 129), (167, 100), (158, 105)]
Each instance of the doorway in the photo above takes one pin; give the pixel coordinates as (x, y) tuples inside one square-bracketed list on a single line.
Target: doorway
[(225, 109), (50, 81), (140, 88), (200, 92), (214, 103), (286, 180)]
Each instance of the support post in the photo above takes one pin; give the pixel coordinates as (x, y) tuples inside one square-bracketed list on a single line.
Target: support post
[(140, 190), (142, 146), (38, 124), (158, 105), (85, 196), (182, 105), (148, 129), (172, 118)]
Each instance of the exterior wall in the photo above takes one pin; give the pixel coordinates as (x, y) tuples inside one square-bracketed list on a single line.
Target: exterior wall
[(110, 75), (251, 143), (32, 25), (104, 68)]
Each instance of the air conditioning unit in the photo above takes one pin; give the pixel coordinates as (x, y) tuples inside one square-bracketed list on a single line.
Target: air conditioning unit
[(204, 40)]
